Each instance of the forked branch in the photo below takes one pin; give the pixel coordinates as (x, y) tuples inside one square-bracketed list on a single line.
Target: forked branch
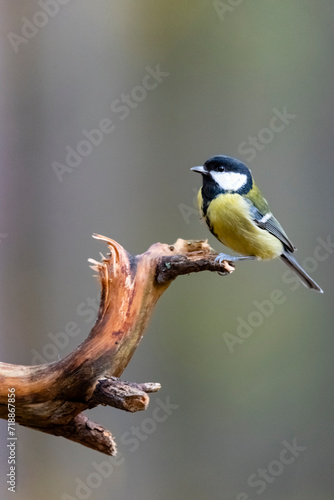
[(51, 397)]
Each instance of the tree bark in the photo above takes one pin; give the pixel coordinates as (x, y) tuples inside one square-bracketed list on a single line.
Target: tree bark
[(51, 397)]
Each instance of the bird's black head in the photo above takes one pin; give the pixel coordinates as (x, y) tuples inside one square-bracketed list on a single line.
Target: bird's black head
[(223, 174)]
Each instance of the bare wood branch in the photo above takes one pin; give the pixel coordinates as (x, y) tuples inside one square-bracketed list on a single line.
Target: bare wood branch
[(83, 431), (51, 397), (127, 396)]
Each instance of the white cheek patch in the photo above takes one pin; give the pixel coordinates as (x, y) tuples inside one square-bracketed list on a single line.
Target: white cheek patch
[(229, 181)]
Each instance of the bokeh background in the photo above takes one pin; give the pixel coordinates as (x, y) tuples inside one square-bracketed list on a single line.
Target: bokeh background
[(227, 66)]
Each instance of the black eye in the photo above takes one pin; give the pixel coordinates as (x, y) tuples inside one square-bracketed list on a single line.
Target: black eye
[(221, 168)]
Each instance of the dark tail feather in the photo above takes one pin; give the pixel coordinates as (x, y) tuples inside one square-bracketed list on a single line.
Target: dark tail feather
[(290, 261)]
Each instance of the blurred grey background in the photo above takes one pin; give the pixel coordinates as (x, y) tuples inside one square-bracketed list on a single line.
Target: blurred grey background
[(219, 74)]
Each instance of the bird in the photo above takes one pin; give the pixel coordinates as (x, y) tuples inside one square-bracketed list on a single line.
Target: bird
[(239, 216)]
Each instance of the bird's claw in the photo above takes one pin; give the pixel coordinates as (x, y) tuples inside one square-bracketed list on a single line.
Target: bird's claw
[(232, 258)]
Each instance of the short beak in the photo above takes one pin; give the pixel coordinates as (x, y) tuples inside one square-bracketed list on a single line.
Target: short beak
[(200, 170)]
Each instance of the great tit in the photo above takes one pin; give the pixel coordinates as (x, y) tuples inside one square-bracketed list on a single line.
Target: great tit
[(239, 216)]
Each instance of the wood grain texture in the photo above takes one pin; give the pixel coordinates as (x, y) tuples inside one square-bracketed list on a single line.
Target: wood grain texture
[(51, 397)]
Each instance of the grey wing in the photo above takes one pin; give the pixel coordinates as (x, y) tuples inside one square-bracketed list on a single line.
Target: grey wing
[(269, 223)]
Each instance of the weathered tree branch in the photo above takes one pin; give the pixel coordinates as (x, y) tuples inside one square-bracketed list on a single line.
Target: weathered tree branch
[(51, 397)]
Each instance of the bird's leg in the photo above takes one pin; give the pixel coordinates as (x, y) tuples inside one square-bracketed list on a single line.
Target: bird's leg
[(232, 258)]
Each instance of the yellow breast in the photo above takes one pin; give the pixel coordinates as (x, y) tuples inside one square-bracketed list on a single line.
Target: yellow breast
[(228, 217)]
